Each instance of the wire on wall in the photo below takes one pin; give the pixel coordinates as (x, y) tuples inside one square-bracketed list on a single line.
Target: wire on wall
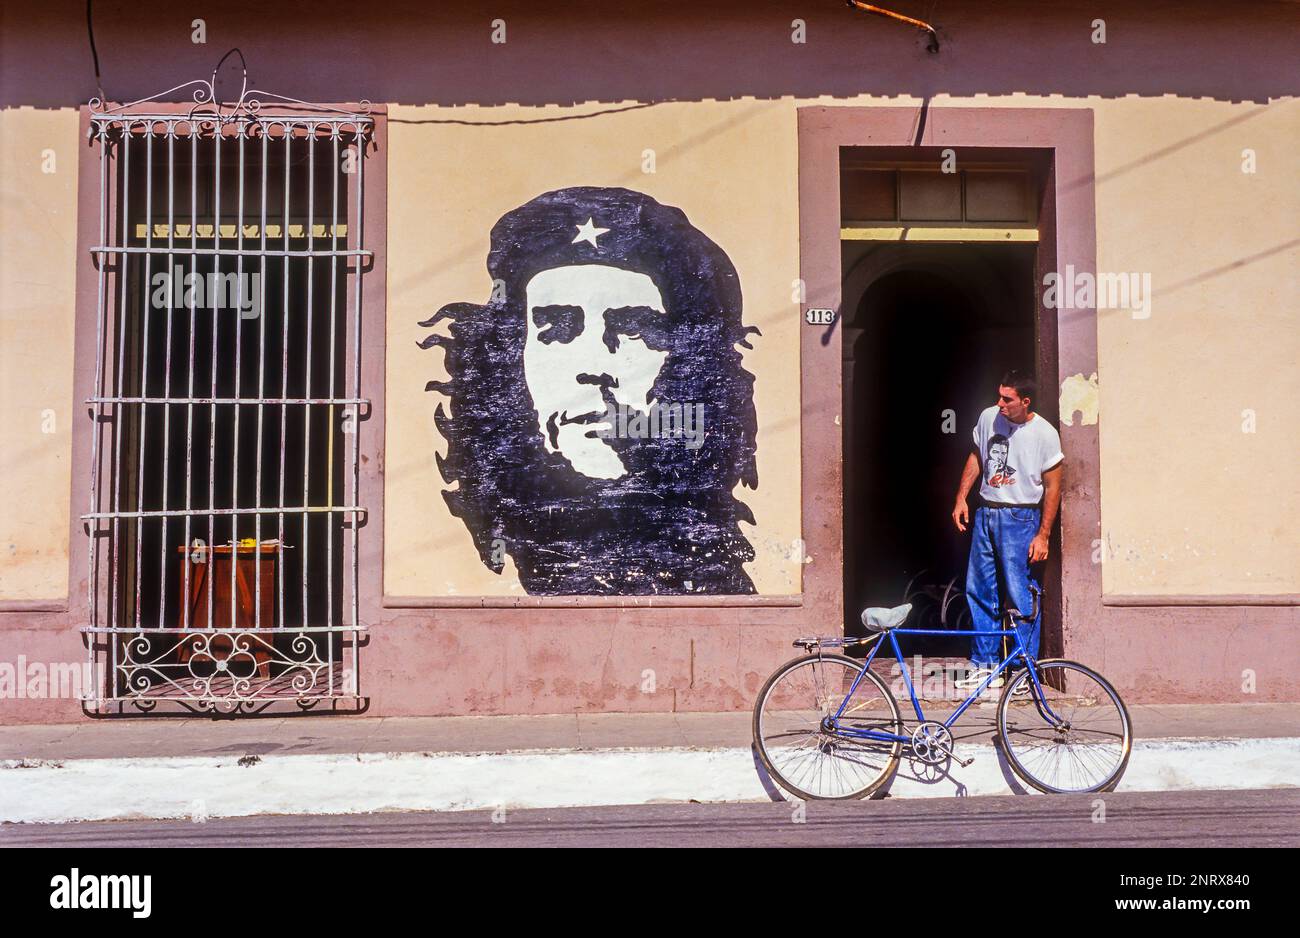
[(890, 14), (94, 53)]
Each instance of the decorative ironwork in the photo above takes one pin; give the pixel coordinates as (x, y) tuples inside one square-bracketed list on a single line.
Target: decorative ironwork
[(227, 672), (238, 619), (207, 107)]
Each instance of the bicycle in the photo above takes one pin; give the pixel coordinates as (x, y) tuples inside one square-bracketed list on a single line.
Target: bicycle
[(1070, 733)]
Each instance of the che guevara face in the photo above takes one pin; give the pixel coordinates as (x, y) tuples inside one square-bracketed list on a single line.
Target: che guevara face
[(997, 460), (596, 339)]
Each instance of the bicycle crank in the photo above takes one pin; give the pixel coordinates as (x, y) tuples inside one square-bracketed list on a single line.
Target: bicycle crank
[(932, 744)]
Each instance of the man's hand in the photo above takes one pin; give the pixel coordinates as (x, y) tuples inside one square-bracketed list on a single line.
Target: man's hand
[(1038, 548), (969, 473)]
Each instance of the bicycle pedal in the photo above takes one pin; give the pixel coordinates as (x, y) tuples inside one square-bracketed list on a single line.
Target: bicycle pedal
[(964, 763)]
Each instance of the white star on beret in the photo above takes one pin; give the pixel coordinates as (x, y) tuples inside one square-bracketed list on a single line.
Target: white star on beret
[(588, 232)]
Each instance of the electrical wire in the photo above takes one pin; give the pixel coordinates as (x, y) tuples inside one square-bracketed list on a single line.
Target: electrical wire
[(94, 53), (890, 14)]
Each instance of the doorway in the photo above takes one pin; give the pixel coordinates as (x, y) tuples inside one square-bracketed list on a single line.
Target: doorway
[(928, 329)]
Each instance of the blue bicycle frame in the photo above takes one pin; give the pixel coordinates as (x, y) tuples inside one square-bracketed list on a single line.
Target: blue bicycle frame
[(1018, 652)]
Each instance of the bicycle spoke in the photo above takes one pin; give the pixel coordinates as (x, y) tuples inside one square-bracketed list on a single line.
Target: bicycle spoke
[(802, 753), (1074, 740)]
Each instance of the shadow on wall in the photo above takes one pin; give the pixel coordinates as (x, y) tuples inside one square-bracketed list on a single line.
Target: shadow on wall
[(585, 51)]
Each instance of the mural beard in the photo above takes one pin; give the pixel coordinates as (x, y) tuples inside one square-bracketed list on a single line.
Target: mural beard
[(604, 299)]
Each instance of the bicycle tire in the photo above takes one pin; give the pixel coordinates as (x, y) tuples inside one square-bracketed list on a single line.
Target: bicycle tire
[(896, 723), (1009, 748)]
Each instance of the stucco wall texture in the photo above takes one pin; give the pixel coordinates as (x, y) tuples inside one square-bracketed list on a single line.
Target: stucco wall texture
[(702, 161), (38, 213), (1196, 403)]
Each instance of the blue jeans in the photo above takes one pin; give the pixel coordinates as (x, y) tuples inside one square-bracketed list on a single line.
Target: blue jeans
[(999, 561)]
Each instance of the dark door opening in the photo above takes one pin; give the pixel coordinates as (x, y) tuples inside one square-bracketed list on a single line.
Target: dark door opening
[(927, 331)]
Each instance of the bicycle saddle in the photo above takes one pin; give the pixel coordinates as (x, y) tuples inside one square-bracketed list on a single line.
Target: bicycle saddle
[(880, 619)]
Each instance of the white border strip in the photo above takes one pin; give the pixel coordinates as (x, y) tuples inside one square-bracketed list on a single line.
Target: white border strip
[(201, 788)]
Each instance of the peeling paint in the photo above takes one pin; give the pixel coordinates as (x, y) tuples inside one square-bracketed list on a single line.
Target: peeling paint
[(1081, 394)]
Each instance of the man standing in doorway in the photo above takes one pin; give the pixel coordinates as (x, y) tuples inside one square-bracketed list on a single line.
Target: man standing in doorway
[(1017, 456)]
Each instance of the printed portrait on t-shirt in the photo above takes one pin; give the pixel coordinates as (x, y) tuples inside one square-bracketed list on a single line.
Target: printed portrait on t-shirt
[(996, 469)]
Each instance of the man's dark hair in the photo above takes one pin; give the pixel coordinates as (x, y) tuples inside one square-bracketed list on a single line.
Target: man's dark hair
[(672, 523), (1024, 383)]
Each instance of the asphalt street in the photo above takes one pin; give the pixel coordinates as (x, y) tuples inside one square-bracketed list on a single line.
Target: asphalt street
[(1247, 819)]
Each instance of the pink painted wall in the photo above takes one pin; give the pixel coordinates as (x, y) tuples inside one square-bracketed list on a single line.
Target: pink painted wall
[(564, 53)]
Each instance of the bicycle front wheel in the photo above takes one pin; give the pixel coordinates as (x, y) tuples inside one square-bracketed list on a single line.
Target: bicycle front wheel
[(798, 748), (1074, 736)]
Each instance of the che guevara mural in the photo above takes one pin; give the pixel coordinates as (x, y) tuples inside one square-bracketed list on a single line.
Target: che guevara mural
[(599, 416)]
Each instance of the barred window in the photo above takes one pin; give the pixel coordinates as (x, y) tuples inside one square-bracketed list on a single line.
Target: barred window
[(224, 482)]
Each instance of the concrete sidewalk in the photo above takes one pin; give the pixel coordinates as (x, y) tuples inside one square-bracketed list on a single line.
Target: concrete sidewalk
[(162, 737), (202, 768)]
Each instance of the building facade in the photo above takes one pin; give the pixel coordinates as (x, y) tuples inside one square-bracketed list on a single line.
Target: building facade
[(529, 360)]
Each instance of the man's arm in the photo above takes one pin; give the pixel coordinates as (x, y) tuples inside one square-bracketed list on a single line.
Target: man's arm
[(1051, 505), (969, 473)]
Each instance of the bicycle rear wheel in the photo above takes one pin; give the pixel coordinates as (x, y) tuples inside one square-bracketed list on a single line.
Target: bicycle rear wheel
[(1075, 737), (792, 740)]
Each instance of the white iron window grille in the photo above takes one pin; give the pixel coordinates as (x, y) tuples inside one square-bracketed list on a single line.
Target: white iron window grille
[(224, 491)]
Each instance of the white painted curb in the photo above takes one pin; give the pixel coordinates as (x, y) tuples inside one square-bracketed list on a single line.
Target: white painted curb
[(201, 788)]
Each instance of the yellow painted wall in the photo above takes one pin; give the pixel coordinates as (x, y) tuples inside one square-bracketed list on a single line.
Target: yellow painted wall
[(1190, 502), (38, 238), (731, 167)]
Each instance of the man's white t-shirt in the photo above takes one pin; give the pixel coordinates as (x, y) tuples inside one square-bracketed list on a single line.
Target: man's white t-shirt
[(1014, 456)]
